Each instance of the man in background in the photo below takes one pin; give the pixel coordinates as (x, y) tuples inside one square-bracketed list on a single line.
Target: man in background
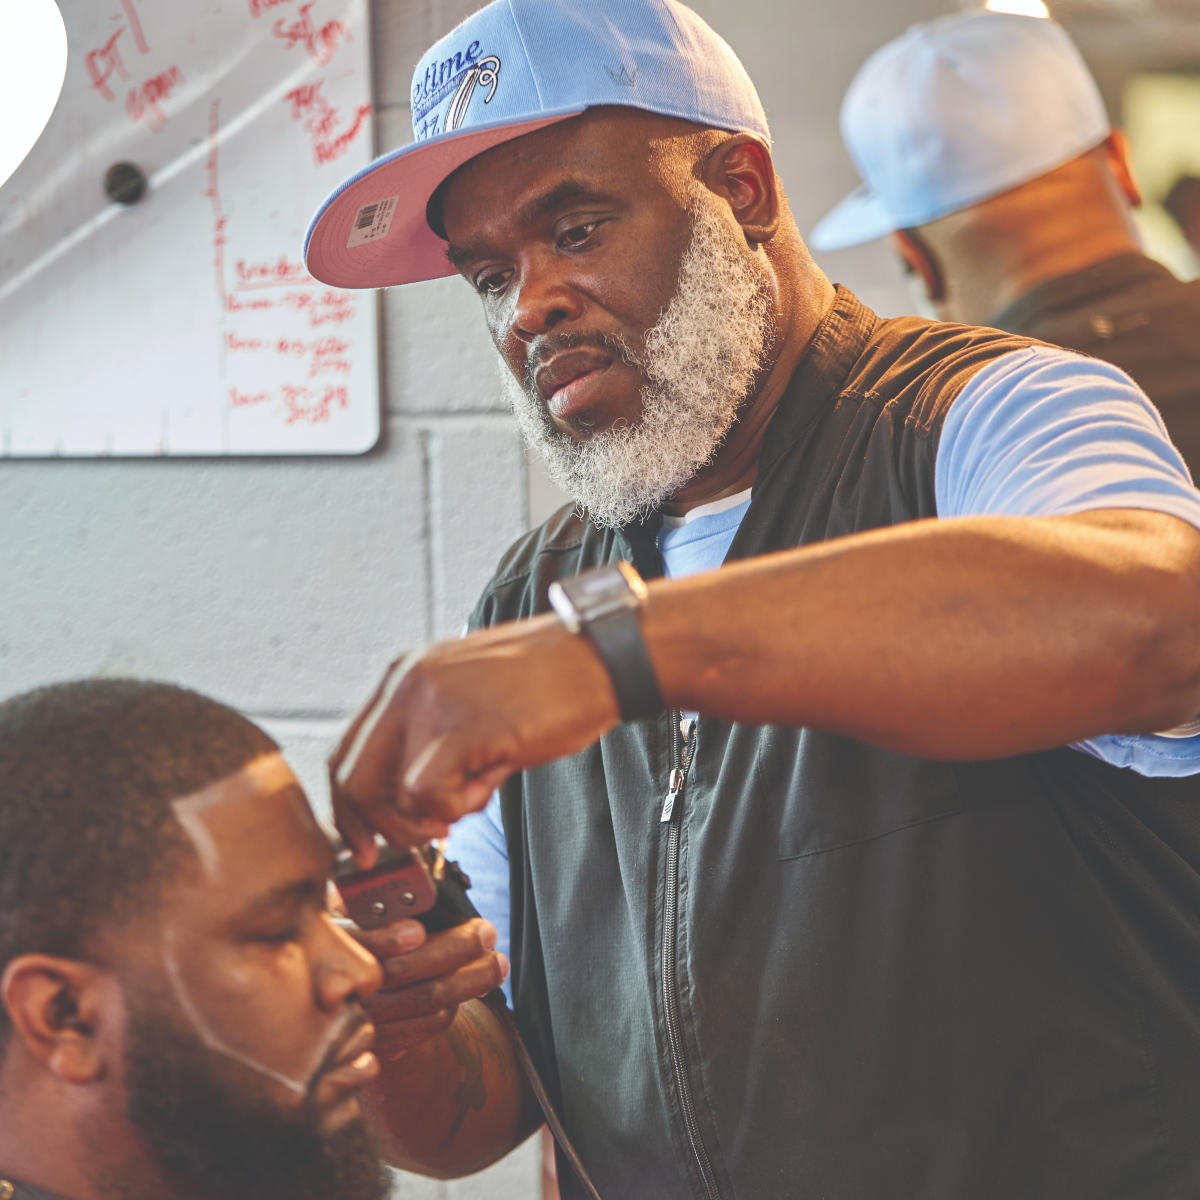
[(1182, 201), (992, 169), (179, 1016)]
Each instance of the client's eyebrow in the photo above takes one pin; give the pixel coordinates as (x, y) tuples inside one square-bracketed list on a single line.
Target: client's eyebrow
[(458, 256), (299, 891), (561, 195)]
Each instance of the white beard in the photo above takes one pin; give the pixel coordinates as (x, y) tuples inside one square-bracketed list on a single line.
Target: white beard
[(701, 360)]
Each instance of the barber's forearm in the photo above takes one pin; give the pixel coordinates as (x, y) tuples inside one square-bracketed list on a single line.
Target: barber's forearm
[(972, 638), (454, 1104)]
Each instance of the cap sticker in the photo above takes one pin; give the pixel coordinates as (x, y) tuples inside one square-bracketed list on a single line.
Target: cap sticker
[(372, 221)]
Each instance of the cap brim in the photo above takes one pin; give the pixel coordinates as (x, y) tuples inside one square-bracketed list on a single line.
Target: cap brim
[(406, 250), (861, 217)]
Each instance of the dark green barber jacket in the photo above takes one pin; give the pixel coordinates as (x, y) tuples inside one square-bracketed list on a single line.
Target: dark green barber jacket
[(836, 972)]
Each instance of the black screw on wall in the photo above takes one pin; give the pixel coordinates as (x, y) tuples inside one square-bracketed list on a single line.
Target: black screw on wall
[(125, 183)]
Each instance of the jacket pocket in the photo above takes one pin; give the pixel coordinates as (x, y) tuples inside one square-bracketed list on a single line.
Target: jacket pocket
[(831, 792)]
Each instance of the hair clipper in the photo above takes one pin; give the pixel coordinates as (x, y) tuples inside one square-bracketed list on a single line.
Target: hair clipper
[(420, 883)]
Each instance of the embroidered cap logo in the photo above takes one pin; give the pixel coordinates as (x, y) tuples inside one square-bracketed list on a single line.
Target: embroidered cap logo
[(623, 77), (486, 73)]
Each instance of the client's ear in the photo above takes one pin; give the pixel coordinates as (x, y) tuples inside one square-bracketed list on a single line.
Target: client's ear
[(1120, 162), (58, 1007), (916, 258)]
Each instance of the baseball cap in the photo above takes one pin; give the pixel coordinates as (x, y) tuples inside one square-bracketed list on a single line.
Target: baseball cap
[(511, 68), (957, 110)]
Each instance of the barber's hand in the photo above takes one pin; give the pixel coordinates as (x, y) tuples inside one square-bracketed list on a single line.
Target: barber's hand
[(448, 725), (426, 977)]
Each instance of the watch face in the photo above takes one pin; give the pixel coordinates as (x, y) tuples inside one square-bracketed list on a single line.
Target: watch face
[(604, 590), (593, 594), (600, 585)]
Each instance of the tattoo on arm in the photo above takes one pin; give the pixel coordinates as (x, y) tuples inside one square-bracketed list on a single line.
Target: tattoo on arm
[(470, 1094)]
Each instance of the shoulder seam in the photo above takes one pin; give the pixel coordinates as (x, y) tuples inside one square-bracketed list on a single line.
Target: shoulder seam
[(526, 569)]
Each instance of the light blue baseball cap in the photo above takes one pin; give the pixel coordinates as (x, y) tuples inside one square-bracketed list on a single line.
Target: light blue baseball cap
[(512, 68), (957, 110)]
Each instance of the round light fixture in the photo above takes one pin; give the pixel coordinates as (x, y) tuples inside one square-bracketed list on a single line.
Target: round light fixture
[(1022, 8), (33, 63)]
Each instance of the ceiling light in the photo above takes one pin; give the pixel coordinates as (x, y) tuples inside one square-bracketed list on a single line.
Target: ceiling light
[(33, 62), (1023, 8)]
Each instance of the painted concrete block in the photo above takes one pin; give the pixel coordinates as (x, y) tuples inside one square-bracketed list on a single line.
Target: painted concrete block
[(477, 509), (439, 357), (280, 586), (402, 32), (307, 744)]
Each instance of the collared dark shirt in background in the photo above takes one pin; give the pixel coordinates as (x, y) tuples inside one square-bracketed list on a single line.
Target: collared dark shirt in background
[(1132, 312)]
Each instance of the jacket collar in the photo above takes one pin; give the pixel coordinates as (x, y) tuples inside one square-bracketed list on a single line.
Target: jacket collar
[(1092, 285), (821, 376)]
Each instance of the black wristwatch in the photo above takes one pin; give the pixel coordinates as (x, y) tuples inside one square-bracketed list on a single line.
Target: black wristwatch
[(604, 603)]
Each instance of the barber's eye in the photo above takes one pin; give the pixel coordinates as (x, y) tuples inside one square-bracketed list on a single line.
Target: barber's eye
[(577, 234), (491, 282)]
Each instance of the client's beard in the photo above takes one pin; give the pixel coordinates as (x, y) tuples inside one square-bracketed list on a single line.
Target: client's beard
[(701, 360), (206, 1133)]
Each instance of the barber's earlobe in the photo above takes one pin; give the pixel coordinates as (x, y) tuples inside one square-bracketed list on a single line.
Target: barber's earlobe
[(57, 1006), (740, 169)]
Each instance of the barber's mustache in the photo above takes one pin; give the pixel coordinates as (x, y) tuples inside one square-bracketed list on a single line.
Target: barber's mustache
[(556, 343)]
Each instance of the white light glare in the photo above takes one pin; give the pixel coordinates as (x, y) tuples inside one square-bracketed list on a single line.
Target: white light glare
[(33, 62), (1023, 8)]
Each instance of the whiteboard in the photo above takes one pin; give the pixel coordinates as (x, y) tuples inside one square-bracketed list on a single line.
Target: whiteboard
[(185, 323)]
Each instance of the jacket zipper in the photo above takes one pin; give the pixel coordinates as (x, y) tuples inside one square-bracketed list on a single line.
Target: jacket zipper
[(681, 758)]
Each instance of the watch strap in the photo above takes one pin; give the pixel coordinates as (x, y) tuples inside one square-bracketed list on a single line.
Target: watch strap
[(618, 638)]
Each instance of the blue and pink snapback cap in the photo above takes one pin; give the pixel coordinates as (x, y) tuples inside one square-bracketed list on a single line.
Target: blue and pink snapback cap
[(508, 70)]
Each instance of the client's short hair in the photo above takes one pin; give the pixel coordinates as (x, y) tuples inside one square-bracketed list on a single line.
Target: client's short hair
[(88, 770)]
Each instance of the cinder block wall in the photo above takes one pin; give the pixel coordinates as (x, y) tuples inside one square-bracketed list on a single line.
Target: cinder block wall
[(284, 586)]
